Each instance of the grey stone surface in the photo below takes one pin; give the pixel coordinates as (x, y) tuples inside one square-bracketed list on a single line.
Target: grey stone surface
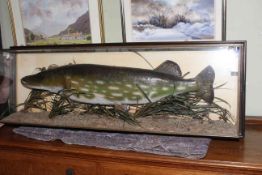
[(187, 147)]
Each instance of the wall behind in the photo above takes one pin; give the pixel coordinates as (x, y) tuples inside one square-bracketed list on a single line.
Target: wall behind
[(5, 24), (112, 21), (244, 23)]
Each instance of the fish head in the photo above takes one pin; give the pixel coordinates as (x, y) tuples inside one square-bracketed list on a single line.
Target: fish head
[(43, 81)]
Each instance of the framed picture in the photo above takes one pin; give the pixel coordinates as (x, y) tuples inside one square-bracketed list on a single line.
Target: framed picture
[(193, 89), (37, 22), (173, 20), (7, 83)]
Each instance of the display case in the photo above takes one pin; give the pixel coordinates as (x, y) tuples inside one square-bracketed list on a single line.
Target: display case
[(187, 88)]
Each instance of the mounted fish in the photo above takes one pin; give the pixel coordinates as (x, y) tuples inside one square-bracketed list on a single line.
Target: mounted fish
[(115, 88), (109, 85)]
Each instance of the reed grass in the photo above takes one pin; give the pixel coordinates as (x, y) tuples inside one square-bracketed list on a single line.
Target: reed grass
[(187, 104)]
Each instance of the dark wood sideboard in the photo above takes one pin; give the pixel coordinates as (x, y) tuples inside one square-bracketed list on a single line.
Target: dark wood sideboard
[(23, 156)]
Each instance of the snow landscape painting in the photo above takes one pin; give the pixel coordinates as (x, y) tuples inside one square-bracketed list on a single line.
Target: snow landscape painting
[(173, 20), (55, 22)]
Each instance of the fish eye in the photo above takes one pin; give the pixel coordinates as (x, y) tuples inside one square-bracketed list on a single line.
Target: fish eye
[(40, 76)]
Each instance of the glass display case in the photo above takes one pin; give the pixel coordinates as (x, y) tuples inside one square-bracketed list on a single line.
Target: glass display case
[(187, 88)]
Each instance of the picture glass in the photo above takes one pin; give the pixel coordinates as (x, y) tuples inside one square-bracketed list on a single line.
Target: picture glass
[(56, 22), (173, 20)]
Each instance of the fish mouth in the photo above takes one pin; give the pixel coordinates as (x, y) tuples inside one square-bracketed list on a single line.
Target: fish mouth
[(24, 81), (28, 81)]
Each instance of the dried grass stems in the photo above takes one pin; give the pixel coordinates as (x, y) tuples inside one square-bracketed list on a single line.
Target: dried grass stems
[(187, 104)]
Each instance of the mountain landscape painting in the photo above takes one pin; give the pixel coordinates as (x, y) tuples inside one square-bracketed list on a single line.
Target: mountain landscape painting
[(173, 20), (49, 22)]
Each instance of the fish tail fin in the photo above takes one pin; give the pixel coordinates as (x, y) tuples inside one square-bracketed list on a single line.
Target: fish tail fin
[(205, 80)]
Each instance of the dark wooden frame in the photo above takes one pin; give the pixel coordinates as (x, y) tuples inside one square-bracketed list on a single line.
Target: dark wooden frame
[(158, 46)]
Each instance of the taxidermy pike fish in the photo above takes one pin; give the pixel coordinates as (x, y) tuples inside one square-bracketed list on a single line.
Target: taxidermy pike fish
[(109, 85)]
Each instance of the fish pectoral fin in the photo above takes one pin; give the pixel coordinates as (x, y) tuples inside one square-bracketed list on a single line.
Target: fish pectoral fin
[(71, 93), (121, 107), (169, 67), (82, 97)]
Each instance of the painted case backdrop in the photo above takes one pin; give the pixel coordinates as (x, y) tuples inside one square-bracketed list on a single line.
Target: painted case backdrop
[(173, 20), (224, 62), (56, 22), (222, 117)]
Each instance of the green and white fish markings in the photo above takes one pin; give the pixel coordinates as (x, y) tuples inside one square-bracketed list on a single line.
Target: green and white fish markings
[(109, 85)]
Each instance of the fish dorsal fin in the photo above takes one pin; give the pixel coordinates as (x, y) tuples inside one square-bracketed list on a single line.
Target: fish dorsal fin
[(169, 67)]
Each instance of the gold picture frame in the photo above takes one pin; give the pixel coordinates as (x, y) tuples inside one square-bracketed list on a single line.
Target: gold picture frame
[(42, 34)]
